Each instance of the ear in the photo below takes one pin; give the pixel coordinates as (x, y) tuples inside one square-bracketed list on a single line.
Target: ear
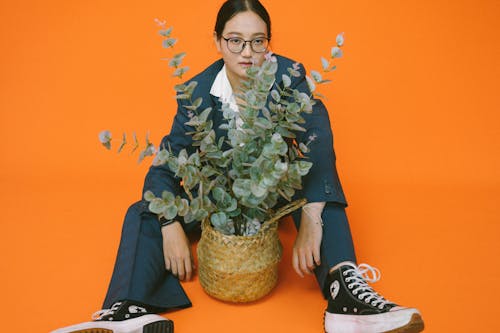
[(217, 42)]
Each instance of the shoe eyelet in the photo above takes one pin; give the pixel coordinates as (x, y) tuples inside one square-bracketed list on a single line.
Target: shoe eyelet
[(350, 286), (367, 301), (374, 303), (355, 292), (360, 297)]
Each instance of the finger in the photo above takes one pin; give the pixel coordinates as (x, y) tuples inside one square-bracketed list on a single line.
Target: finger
[(188, 266), (317, 256), (309, 261), (167, 264), (173, 267), (295, 263), (303, 263), (180, 269), (193, 266)]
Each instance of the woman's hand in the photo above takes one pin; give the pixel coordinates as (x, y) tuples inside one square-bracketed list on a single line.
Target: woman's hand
[(306, 250), (177, 251)]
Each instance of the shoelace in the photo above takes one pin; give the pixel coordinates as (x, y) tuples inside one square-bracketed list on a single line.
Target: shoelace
[(357, 282), (104, 312)]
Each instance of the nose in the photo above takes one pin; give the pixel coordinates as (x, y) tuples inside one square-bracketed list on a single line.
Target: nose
[(247, 50)]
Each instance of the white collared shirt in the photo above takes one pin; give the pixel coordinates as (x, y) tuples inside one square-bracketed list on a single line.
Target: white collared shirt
[(222, 89)]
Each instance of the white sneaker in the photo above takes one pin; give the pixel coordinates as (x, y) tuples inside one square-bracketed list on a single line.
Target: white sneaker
[(123, 317), (354, 307)]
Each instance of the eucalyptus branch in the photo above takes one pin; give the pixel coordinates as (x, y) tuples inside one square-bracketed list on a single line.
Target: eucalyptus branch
[(235, 180)]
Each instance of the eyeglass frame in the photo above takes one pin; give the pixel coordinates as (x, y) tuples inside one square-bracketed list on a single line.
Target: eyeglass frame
[(245, 44)]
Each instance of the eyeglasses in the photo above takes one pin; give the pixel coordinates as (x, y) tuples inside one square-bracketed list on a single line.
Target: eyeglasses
[(236, 44)]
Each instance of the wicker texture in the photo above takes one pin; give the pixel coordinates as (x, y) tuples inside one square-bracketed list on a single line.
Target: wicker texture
[(241, 268)]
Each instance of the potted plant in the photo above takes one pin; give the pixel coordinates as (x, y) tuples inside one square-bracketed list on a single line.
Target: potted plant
[(233, 185)]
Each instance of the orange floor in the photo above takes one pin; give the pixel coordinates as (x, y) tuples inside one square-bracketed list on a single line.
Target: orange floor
[(57, 262), (414, 106)]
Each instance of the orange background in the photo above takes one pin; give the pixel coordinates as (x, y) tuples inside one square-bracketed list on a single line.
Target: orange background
[(414, 107)]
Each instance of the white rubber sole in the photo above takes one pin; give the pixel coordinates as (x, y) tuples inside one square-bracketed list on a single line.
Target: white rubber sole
[(144, 324), (407, 320)]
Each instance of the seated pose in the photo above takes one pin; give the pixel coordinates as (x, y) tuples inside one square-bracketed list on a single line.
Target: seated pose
[(153, 258)]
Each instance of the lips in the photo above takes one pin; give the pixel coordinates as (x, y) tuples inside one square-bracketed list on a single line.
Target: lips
[(246, 63)]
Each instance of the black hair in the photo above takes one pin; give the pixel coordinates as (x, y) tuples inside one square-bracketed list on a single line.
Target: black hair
[(232, 7)]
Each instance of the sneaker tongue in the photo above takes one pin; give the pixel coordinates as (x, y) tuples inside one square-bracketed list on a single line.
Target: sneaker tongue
[(343, 264)]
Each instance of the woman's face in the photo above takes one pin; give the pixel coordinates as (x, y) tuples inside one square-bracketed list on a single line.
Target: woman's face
[(248, 26)]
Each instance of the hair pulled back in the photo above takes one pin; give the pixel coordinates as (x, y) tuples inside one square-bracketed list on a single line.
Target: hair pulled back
[(232, 7)]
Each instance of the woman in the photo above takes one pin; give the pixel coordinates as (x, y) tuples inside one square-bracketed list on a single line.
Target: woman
[(154, 256)]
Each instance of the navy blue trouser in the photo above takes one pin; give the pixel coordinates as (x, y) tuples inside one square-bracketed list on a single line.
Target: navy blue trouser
[(140, 275)]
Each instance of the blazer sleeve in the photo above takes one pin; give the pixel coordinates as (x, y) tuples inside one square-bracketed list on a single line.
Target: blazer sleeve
[(322, 183), (160, 178)]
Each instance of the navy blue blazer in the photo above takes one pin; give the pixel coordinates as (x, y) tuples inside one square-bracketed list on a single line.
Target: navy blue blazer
[(320, 185)]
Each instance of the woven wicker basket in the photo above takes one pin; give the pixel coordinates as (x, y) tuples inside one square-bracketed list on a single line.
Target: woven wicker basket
[(241, 268)]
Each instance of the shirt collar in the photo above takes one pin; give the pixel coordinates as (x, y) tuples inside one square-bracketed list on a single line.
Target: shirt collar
[(221, 87)]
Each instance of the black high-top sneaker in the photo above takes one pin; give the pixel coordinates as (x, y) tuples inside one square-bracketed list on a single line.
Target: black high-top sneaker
[(122, 317), (354, 307)]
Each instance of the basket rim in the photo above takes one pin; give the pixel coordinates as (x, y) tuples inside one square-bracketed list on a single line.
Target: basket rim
[(268, 224)]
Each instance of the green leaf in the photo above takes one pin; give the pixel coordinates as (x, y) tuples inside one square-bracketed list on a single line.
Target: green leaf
[(218, 193), (324, 64), (180, 55), (191, 86), (316, 76), (200, 214), (174, 62), (180, 71), (263, 123), (218, 219), (293, 72), (182, 207), (241, 187), (310, 84), (170, 212), (285, 133), (173, 165), (258, 190), (304, 167), (295, 127), (287, 82), (205, 113), (336, 52), (183, 157), (340, 39), (303, 148), (156, 206), (149, 196), (233, 205), (180, 88), (165, 32), (168, 198), (196, 104), (275, 95), (169, 42), (162, 157), (183, 96), (123, 143)]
